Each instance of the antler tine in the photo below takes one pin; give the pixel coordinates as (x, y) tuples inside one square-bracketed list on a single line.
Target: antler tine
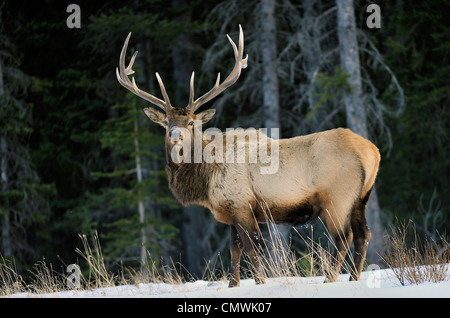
[(123, 72), (230, 80), (191, 89), (163, 89), (241, 48)]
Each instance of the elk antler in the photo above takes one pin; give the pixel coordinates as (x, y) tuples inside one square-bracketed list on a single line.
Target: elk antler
[(122, 77), (230, 80)]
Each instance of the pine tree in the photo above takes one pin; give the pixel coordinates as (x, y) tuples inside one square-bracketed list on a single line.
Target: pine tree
[(413, 39), (23, 198), (355, 109), (132, 227)]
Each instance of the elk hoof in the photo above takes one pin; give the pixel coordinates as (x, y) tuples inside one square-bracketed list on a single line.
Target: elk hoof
[(329, 279)]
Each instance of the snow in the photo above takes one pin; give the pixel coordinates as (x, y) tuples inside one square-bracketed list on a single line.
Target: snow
[(373, 284)]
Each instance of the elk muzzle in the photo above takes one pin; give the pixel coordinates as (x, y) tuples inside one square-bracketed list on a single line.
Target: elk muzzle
[(175, 135)]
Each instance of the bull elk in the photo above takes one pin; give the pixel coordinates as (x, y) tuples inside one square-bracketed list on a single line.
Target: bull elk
[(329, 174)]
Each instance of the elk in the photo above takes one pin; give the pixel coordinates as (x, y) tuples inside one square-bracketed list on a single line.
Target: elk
[(329, 174)]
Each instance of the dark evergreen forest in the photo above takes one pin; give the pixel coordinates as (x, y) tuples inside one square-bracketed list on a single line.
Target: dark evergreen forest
[(72, 137)]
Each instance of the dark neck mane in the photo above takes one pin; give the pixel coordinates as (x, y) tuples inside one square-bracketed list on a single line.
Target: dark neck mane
[(189, 182)]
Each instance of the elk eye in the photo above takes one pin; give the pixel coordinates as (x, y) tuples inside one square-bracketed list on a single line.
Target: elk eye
[(166, 122), (191, 123)]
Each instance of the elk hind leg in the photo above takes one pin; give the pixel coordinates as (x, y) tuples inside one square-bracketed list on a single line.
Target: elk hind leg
[(361, 234), (342, 235)]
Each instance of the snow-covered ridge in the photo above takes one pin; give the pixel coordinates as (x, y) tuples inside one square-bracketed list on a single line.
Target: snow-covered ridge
[(378, 283)]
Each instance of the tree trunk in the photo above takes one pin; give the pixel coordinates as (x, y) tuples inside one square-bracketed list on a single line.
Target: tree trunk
[(271, 97), (271, 104), (356, 113), (139, 177), (313, 57), (141, 208), (6, 247)]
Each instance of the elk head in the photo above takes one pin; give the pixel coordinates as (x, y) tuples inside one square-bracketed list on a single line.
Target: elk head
[(177, 120)]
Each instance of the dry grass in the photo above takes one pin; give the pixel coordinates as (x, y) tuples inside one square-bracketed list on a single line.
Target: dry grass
[(422, 260), (417, 262), (44, 279), (316, 261), (98, 276), (279, 260), (10, 281)]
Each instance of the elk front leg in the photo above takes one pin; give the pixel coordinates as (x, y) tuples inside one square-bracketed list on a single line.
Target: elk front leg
[(250, 235), (254, 253), (236, 247)]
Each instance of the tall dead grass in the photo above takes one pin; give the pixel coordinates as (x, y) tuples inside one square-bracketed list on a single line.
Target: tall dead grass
[(44, 279), (280, 260), (277, 262), (316, 261), (415, 262), (418, 261)]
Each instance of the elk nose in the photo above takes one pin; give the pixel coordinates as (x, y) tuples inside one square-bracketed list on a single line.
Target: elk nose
[(175, 134)]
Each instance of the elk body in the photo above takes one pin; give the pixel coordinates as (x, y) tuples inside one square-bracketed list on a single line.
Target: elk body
[(328, 175)]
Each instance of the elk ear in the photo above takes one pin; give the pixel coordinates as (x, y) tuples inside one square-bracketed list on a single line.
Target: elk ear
[(155, 115), (206, 115)]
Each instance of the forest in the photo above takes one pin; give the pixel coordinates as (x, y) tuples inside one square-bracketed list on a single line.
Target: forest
[(79, 156)]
